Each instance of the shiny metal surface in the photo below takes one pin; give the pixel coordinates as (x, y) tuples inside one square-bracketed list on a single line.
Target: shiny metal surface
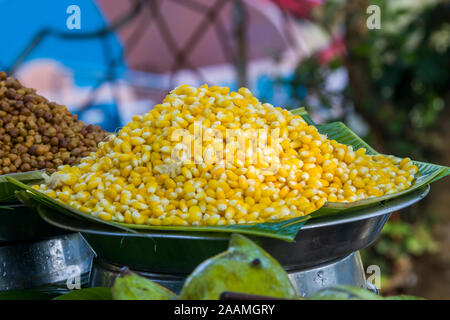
[(319, 242), (34, 264), (315, 246), (347, 271), (103, 275), (20, 223), (382, 208), (312, 247)]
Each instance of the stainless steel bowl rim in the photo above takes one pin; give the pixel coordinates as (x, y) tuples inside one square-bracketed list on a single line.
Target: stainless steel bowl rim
[(387, 207)]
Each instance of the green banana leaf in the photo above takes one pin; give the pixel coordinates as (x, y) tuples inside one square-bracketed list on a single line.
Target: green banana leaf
[(338, 131), (345, 292), (7, 189), (41, 293), (96, 293), (284, 230), (33, 197), (287, 229)]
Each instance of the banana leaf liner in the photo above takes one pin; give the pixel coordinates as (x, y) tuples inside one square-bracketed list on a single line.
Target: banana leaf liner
[(8, 189)]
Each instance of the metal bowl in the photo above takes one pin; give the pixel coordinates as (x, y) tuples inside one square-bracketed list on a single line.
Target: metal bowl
[(320, 241), (19, 223), (40, 263)]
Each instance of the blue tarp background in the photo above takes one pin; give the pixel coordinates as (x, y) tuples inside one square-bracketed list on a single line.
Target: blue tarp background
[(21, 20)]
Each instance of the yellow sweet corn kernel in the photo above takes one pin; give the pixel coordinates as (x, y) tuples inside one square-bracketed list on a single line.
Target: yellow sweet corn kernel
[(213, 220), (79, 187), (69, 179), (189, 188), (154, 222), (167, 221), (105, 216), (157, 211), (194, 214), (230, 212), (133, 178)]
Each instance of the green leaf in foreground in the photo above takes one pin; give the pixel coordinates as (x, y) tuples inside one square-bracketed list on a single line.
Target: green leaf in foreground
[(42, 293), (344, 293), (353, 293), (97, 293), (245, 268), (404, 297), (133, 287)]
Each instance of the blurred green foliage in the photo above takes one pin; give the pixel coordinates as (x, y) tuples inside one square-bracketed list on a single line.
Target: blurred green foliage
[(408, 69), (399, 237), (399, 240), (398, 84)]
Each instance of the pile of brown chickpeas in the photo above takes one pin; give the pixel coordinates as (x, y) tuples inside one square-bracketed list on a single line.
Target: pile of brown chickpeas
[(36, 134)]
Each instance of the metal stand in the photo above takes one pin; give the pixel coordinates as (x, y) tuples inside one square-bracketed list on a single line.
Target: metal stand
[(34, 264), (346, 271), (103, 274)]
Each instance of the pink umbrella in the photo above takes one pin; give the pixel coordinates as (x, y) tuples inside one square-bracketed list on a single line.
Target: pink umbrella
[(169, 35)]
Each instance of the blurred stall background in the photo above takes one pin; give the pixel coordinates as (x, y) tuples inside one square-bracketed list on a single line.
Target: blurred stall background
[(390, 85)]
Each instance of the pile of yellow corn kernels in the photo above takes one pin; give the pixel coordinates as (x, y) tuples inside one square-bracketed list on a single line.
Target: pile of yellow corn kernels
[(134, 178)]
